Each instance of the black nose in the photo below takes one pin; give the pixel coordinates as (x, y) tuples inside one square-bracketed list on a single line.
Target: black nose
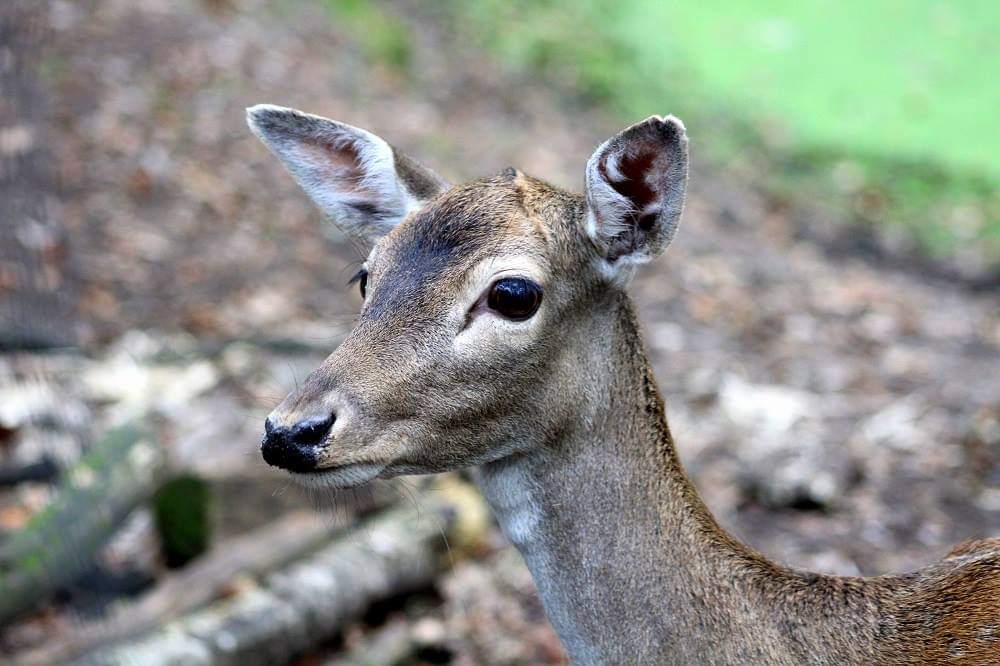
[(294, 448)]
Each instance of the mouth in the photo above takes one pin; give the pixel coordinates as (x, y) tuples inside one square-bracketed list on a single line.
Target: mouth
[(344, 476)]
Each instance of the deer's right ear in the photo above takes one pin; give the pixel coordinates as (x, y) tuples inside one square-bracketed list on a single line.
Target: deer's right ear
[(635, 191), (360, 181)]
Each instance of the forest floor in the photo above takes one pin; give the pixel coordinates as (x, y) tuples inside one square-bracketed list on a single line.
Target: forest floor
[(837, 412)]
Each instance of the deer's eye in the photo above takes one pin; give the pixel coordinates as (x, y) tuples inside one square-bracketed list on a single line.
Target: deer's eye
[(514, 298), (361, 277)]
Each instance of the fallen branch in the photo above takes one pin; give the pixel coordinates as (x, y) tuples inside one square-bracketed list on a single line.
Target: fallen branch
[(385, 646), (253, 554), (96, 496), (204, 580), (398, 551)]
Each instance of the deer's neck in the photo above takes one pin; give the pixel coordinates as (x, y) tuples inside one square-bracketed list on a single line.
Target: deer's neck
[(627, 558)]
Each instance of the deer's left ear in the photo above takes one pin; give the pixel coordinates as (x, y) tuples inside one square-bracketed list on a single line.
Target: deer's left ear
[(635, 190), (365, 185)]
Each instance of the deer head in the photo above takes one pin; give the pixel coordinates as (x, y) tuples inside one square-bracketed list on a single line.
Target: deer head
[(484, 303)]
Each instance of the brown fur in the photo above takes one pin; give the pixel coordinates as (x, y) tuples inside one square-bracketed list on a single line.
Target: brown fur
[(568, 429)]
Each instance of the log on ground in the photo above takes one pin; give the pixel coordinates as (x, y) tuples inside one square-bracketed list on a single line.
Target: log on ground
[(59, 544), (401, 550)]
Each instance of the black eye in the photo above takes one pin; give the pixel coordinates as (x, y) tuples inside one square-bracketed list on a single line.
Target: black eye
[(361, 277), (515, 298)]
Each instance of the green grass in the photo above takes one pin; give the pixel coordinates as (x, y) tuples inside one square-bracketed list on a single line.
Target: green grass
[(881, 109), (914, 78), (382, 35)]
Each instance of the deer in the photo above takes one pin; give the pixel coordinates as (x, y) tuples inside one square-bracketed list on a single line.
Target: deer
[(497, 334)]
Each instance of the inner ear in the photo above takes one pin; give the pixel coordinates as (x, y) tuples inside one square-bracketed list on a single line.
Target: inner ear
[(635, 190), (361, 182), (354, 186), (629, 180)]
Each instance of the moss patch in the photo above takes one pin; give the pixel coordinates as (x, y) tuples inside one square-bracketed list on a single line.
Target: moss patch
[(181, 509)]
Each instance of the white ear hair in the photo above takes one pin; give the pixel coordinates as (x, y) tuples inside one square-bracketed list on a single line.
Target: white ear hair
[(354, 176), (635, 185)]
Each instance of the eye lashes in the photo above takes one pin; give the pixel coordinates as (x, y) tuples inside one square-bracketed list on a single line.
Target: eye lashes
[(358, 277), (361, 277)]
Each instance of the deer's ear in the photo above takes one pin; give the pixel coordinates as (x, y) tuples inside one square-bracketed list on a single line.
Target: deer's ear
[(360, 181), (635, 190)]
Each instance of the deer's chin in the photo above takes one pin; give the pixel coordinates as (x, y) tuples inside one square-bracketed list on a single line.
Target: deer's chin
[(345, 476)]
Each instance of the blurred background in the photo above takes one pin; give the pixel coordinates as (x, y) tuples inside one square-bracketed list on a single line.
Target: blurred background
[(826, 327)]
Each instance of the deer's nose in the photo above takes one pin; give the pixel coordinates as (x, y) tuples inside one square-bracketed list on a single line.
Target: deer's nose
[(294, 447)]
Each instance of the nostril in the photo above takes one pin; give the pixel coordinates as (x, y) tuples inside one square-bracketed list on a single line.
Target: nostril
[(311, 432), (294, 448)]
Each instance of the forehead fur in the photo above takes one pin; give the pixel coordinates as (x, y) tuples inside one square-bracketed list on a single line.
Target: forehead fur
[(464, 219), (451, 233)]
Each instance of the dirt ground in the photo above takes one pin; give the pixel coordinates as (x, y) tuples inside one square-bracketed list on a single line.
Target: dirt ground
[(837, 414)]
